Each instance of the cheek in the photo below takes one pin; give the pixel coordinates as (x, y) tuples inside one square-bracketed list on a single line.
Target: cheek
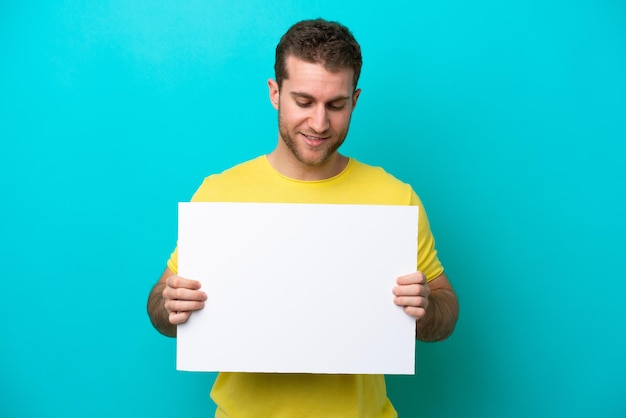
[(340, 121), (292, 115)]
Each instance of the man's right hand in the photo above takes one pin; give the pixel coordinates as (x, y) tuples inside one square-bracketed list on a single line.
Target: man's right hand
[(181, 297)]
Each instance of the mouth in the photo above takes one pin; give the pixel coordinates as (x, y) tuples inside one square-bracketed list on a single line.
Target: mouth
[(313, 140)]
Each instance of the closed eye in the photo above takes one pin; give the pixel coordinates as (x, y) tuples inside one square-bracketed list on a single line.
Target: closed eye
[(336, 107)]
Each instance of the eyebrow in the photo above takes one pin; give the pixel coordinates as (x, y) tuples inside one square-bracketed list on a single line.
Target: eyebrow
[(297, 94)]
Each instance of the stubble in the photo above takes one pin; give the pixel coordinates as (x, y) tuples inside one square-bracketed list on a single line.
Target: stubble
[(330, 146)]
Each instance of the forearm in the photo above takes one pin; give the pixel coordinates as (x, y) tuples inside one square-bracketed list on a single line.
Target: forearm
[(441, 315), (157, 312)]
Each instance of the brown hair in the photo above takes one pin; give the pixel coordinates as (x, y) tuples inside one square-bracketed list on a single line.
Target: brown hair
[(321, 42)]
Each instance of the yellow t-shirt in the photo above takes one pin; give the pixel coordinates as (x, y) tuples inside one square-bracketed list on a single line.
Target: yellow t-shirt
[(310, 395)]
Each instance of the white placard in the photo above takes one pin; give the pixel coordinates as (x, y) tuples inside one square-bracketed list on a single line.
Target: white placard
[(297, 287)]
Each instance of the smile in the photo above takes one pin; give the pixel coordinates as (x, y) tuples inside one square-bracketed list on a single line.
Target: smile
[(314, 141), (314, 138)]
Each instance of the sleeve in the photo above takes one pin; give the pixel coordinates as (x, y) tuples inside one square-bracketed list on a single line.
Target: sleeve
[(172, 263), (427, 260), (198, 196)]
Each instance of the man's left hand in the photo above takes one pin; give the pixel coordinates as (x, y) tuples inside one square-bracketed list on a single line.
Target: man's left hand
[(412, 294)]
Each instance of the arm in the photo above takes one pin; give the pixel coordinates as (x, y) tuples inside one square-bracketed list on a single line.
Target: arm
[(172, 300), (434, 305)]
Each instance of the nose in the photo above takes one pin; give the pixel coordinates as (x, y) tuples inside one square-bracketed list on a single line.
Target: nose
[(318, 121)]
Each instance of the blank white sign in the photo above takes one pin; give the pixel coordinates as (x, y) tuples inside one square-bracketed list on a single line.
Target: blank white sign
[(297, 287)]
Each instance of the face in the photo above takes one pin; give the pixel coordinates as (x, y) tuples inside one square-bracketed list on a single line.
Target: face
[(314, 110)]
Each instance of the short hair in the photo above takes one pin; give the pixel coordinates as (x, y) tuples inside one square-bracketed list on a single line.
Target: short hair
[(321, 42)]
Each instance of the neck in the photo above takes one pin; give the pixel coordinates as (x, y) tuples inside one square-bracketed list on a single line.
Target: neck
[(294, 169)]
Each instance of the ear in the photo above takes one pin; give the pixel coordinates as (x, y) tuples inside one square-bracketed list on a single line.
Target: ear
[(355, 97), (274, 93)]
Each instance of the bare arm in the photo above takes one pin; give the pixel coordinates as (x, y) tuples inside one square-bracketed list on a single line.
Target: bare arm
[(441, 314), (434, 305), (172, 300)]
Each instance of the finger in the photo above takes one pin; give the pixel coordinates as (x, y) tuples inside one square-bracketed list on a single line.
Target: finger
[(414, 301), (183, 306), (414, 312), (180, 293), (414, 278), (411, 290), (177, 318), (180, 282)]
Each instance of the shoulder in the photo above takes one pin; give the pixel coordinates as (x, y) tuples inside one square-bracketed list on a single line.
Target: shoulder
[(376, 173), (253, 165), (237, 172), (376, 180), (215, 186)]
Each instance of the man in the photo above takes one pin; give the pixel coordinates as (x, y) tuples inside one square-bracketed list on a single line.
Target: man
[(315, 92)]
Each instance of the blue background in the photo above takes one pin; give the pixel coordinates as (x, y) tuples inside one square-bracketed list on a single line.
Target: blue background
[(507, 117)]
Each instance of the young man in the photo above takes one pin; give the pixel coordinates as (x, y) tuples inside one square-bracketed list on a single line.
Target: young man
[(317, 68)]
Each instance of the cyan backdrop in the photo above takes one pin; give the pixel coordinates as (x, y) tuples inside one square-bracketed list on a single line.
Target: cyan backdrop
[(507, 117)]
